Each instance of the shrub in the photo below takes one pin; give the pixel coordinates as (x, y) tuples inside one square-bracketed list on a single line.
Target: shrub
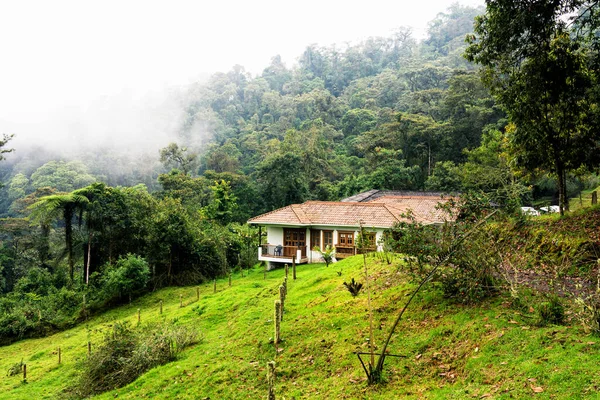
[(551, 312), (130, 275), (126, 353), (328, 255)]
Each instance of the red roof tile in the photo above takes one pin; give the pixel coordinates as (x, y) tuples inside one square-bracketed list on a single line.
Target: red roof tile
[(382, 212)]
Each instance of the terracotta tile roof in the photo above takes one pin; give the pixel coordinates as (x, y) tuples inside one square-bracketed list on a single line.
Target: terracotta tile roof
[(424, 208), (374, 194), (382, 212)]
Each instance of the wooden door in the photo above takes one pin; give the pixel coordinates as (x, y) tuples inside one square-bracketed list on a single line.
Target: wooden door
[(293, 238)]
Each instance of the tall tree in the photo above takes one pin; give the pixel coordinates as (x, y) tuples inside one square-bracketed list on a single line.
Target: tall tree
[(178, 157), (66, 205), (542, 74)]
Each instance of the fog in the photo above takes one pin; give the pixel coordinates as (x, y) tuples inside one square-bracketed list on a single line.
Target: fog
[(111, 75)]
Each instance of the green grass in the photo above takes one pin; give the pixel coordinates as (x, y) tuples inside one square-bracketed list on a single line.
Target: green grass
[(450, 351), (575, 203)]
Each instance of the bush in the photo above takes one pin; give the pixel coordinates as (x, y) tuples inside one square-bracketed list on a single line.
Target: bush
[(551, 312), (126, 353), (130, 275)]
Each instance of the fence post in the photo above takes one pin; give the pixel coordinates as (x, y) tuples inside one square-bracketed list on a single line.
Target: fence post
[(24, 372), (230, 279), (271, 379), (277, 321), (89, 348), (59, 360), (215, 286), (161, 306), (180, 300), (294, 268), (281, 300), (286, 270), (594, 198), (197, 293), (139, 315)]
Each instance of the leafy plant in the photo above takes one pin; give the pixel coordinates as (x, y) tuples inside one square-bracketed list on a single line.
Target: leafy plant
[(328, 255), (353, 287), (551, 312), (15, 369)]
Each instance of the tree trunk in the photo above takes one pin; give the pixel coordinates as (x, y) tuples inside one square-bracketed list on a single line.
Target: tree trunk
[(560, 175), (89, 258), (68, 214)]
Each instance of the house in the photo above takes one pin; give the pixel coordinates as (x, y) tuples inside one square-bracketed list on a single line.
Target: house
[(293, 231)]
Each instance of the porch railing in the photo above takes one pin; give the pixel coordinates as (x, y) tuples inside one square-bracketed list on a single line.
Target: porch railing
[(277, 250)]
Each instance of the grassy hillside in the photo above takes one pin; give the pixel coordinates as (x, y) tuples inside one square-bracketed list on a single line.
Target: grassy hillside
[(450, 351), (576, 203)]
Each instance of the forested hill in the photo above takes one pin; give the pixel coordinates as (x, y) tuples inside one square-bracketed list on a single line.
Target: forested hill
[(378, 114), (387, 113)]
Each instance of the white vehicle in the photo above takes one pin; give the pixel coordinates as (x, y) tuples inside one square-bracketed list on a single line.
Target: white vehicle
[(530, 211), (550, 209)]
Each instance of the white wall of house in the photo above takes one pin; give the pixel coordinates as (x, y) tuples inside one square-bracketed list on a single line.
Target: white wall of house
[(275, 237)]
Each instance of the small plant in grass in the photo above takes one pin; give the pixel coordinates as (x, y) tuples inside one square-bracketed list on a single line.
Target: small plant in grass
[(353, 287), (551, 312), (15, 369), (328, 255)]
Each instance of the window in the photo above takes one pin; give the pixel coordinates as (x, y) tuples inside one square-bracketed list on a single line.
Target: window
[(370, 239), (346, 239), (327, 238), (315, 238)]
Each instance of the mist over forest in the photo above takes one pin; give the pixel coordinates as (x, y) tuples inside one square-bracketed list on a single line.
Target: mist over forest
[(117, 137)]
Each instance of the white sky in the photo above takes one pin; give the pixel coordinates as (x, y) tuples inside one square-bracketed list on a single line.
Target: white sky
[(57, 58)]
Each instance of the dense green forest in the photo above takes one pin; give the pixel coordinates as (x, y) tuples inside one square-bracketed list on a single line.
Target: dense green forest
[(387, 113)]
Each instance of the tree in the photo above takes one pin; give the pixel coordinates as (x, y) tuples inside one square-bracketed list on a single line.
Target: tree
[(223, 203), (178, 157), (62, 175), (544, 75), (61, 204)]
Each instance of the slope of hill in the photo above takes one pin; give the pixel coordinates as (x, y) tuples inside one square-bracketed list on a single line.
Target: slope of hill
[(448, 350)]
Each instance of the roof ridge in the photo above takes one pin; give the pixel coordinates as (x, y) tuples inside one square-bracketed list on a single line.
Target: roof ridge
[(388, 210), (301, 220), (295, 213), (343, 203)]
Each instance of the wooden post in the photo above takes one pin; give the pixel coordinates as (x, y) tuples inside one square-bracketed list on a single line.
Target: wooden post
[(277, 321), (271, 379), (197, 293), (286, 270), (89, 348), (215, 286), (281, 300), (59, 360), (139, 315), (230, 279), (161, 306), (285, 287), (294, 268), (180, 300), (24, 372), (594, 198), (265, 273)]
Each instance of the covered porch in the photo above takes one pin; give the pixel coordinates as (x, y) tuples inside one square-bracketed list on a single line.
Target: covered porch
[(282, 254)]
